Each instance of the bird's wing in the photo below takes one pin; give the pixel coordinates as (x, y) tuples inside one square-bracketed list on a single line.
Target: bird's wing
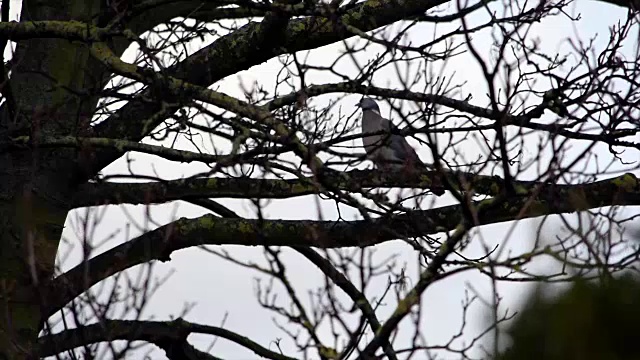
[(401, 148), (372, 123)]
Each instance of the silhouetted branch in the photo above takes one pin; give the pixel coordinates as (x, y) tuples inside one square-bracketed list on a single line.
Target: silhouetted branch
[(186, 189), (171, 336), (25, 142), (347, 286), (212, 63), (211, 230), (525, 120)]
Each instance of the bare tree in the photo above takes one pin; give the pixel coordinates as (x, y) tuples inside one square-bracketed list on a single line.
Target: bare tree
[(514, 129)]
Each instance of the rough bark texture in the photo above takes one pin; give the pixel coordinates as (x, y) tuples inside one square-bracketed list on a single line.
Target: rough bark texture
[(36, 183), (46, 86)]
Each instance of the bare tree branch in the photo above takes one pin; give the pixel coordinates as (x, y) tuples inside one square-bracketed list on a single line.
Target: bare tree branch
[(524, 120), (209, 65), (347, 286), (25, 142), (210, 230), (352, 181), (171, 336)]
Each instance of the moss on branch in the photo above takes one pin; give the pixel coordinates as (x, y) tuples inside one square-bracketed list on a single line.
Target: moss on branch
[(188, 189), (184, 233), (352, 181), (238, 51), (24, 142), (70, 30)]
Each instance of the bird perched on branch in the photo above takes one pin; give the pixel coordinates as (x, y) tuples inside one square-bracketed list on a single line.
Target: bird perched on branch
[(387, 149)]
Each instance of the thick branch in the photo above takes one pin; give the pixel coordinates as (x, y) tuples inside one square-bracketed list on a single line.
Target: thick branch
[(239, 51), (349, 87), (524, 120), (631, 4), (123, 145), (168, 335), (92, 194), (210, 230), (177, 87), (69, 30), (212, 63), (227, 13)]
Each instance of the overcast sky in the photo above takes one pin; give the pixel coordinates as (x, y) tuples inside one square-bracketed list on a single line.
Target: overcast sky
[(219, 290)]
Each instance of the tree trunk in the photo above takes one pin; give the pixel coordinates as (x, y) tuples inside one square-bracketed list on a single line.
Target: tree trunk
[(47, 77), (33, 208)]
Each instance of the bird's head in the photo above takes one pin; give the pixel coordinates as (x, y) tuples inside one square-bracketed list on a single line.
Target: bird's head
[(367, 103)]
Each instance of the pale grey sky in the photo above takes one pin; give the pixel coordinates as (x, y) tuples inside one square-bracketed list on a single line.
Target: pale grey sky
[(220, 290)]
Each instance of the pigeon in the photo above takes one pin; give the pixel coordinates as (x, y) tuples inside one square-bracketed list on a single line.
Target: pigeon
[(388, 150)]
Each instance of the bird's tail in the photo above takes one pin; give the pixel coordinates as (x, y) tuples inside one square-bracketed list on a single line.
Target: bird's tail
[(437, 186)]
